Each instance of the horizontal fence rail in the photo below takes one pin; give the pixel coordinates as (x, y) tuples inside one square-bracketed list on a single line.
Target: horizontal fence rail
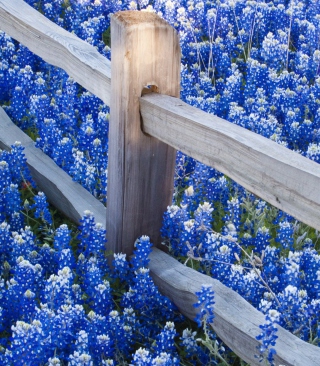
[(278, 175), (236, 321), (57, 46), (65, 194)]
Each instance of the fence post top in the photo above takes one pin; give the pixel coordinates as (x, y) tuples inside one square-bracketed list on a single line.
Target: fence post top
[(134, 17)]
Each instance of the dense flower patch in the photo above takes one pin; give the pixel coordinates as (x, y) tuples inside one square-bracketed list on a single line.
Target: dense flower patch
[(254, 63), (60, 304)]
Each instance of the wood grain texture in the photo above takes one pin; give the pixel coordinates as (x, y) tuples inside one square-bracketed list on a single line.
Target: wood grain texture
[(57, 46), (145, 51), (236, 321), (65, 194), (282, 177)]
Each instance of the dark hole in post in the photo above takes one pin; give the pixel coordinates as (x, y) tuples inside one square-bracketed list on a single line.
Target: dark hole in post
[(147, 90)]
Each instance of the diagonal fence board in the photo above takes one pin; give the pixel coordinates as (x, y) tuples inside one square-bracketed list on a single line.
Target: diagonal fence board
[(57, 46), (272, 172), (278, 175), (236, 321), (65, 194), (251, 160)]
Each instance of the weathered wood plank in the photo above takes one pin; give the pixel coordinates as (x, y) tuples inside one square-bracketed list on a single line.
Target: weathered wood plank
[(57, 46), (236, 321), (145, 52), (65, 194), (282, 177)]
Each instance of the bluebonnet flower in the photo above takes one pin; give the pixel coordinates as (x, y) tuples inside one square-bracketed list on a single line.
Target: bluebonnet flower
[(141, 357), (268, 336), (49, 136), (292, 302), (271, 268), (62, 238), (236, 64), (86, 134), (97, 290), (26, 281), (27, 342), (285, 235), (62, 153), (309, 264), (47, 259), (291, 270), (93, 241), (12, 199), (118, 331), (41, 206), (100, 342), (313, 152), (171, 228), (52, 10), (65, 258), (81, 355), (247, 240), (274, 50), (5, 175), (66, 102), (19, 104), (165, 340), (58, 290), (61, 327), (252, 287), (121, 269), (78, 167), (147, 302), (19, 170), (5, 242), (54, 361), (28, 306), (141, 254), (16, 221), (205, 303), (192, 348), (233, 215), (222, 251), (262, 239)]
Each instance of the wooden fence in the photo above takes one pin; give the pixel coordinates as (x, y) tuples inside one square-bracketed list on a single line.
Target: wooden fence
[(145, 130)]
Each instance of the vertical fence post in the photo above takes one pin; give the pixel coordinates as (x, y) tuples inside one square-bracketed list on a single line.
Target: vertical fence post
[(145, 51)]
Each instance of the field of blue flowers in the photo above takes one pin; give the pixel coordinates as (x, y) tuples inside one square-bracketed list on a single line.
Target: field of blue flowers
[(254, 63)]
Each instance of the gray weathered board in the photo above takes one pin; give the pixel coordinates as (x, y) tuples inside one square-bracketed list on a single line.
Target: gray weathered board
[(57, 46), (278, 175), (236, 321), (140, 168), (282, 177), (65, 194)]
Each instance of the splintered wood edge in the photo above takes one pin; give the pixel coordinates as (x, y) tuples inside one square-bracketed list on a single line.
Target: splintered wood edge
[(133, 17), (65, 194)]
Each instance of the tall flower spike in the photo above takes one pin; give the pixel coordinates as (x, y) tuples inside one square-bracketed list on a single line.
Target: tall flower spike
[(41, 206), (205, 303), (268, 337), (141, 254)]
